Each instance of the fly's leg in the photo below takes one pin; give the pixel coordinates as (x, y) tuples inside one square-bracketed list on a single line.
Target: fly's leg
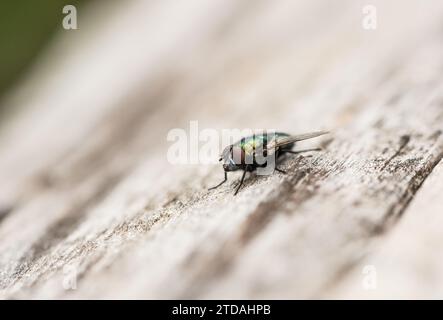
[(280, 170), (226, 178), (241, 181)]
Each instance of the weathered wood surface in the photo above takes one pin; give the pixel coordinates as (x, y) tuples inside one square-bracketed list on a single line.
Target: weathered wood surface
[(85, 185)]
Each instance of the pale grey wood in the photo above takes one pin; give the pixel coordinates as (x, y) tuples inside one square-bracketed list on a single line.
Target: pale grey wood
[(408, 263), (85, 184)]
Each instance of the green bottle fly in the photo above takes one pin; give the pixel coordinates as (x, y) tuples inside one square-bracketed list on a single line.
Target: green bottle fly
[(245, 153)]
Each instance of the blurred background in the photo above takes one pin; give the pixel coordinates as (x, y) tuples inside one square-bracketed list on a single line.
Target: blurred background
[(25, 29)]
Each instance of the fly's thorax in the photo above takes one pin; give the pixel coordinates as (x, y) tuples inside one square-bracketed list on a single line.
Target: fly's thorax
[(230, 158)]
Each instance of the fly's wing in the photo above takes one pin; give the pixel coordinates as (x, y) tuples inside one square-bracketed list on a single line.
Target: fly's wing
[(282, 141), (250, 144)]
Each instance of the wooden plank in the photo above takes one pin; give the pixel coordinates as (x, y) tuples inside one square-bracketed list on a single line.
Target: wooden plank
[(102, 201)]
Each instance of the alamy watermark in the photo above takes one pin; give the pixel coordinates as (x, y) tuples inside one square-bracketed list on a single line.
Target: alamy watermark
[(70, 19), (369, 21), (70, 273), (369, 277)]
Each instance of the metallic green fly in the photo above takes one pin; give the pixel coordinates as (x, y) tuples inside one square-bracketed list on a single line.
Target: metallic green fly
[(244, 154)]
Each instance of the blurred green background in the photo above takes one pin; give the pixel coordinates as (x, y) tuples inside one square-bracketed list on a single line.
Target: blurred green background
[(26, 26)]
